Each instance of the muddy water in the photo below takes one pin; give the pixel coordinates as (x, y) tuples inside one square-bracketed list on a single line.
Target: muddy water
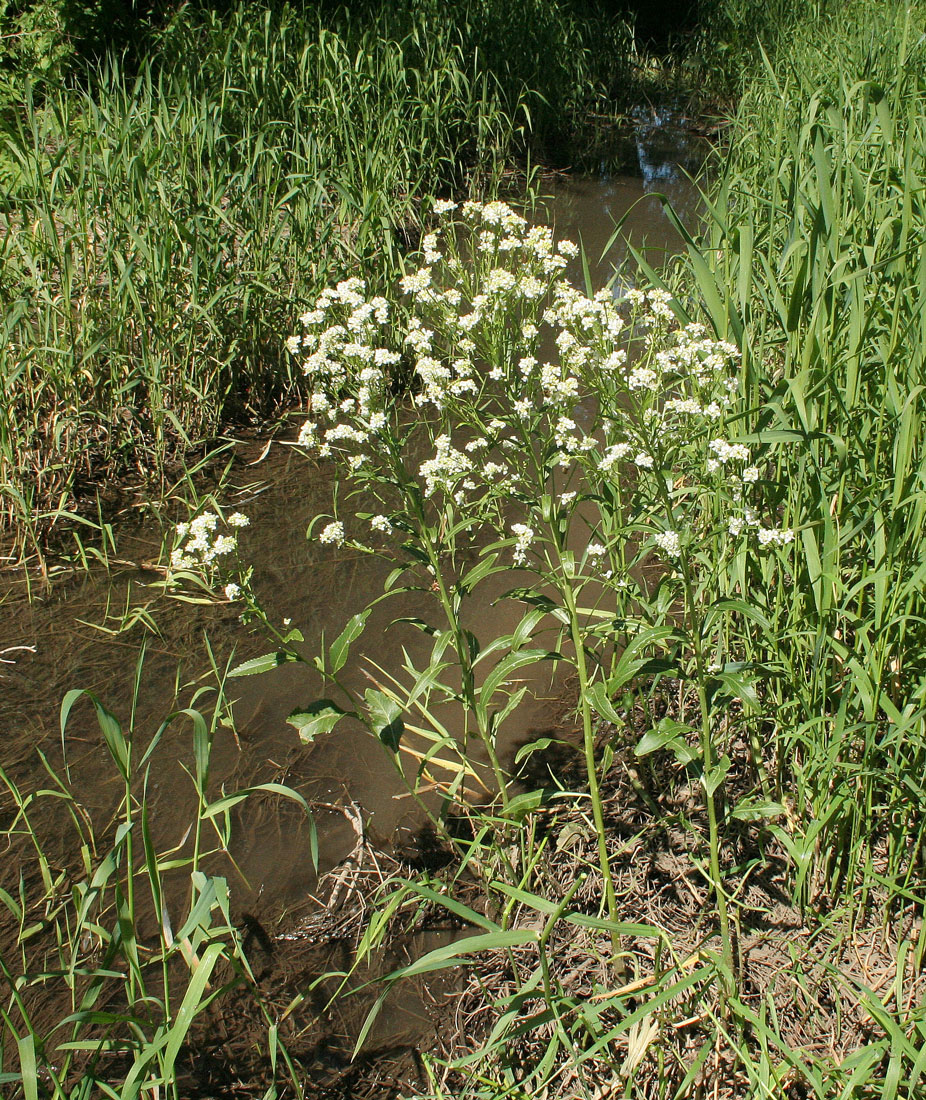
[(318, 590)]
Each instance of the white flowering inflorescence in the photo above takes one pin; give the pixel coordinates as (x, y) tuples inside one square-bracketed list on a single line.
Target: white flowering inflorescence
[(510, 372), (201, 544)]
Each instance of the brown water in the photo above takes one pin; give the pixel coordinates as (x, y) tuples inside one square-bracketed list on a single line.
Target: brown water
[(319, 590)]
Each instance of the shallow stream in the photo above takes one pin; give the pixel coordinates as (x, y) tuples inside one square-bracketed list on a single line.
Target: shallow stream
[(62, 646)]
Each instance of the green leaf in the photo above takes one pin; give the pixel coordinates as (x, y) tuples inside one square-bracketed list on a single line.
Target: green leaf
[(523, 804), (264, 664), (631, 663), (479, 572), (539, 745), (228, 801), (507, 666), (385, 718), (741, 688), (600, 699), (27, 1063), (190, 1006), (716, 775), (757, 809), (667, 734), (315, 719), (444, 956), (340, 647)]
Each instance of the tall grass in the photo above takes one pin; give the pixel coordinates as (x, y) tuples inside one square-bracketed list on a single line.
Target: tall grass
[(162, 225), (115, 943), (816, 265)]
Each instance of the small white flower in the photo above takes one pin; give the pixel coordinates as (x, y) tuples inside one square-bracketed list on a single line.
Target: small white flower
[(668, 543), (525, 536), (232, 591), (333, 533), (773, 536), (224, 544), (595, 550), (238, 519), (381, 523), (615, 360), (644, 460), (642, 378)]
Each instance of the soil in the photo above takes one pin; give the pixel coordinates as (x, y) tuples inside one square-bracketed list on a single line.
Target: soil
[(822, 969)]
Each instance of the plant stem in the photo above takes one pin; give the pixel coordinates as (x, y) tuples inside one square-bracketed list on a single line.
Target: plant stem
[(591, 766)]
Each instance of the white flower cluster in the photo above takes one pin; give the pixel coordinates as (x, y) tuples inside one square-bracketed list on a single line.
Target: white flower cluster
[(669, 543), (445, 469), (525, 536), (725, 452), (201, 544), (382, 524), (333, 534), (660, 388), (774, 536), (344, 355)]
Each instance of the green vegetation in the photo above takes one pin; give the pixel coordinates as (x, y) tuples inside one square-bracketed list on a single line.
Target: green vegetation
[(713, 502), (123, 998), (163, 220)]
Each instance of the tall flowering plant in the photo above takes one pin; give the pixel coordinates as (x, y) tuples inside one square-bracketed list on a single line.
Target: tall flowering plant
[(593, 444)]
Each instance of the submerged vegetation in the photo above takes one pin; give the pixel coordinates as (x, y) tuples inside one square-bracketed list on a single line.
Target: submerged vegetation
[(700, 498)]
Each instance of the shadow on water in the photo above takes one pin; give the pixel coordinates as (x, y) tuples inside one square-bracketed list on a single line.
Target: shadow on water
[(319, 590)]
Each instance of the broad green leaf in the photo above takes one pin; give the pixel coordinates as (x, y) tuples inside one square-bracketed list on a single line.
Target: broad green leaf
[(667, 734), (315, 719), (600, 699), (757, 809), (508, 665), (385, 718), (265, 663), (190, 1006), (522, 804), (712, 779)]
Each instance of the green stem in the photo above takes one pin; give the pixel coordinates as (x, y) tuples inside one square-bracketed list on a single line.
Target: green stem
[(591, 766), (710, 802)]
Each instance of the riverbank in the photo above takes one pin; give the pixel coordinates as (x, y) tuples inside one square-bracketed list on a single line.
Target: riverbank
[(694, 512), (163, 223)]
